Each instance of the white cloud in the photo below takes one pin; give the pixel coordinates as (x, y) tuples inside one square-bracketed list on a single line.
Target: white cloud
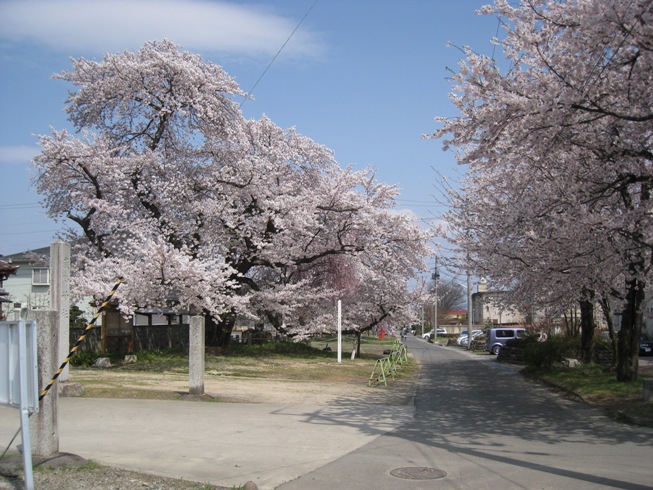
[(101, 26), (405, 212), (17, 155)]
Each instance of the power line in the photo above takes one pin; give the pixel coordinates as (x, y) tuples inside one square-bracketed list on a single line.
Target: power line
[(29, 232), (20, 206), (278, 53), (496, 36)]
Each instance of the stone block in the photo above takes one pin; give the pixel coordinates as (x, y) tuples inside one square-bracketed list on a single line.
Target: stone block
[(571, 363), (648, 389), (69, 389), (103, 362)]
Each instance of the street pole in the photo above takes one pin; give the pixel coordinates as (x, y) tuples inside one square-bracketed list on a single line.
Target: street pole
[(339, 332), (469, 310), (435, 276), (421, 319)]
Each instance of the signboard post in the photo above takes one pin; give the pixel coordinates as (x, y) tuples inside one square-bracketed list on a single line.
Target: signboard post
[(18, 386)]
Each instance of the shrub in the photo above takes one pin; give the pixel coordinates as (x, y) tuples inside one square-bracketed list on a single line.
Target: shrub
[(268, 349), (83, 359), (543, 355)]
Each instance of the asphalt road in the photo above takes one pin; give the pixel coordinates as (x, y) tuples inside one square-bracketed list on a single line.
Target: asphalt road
[(475, 424), (480, 425)]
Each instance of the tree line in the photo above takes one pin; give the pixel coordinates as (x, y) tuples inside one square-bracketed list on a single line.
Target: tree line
[(556, 137)]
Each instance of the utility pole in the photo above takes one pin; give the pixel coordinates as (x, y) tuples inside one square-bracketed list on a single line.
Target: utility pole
[(435, 277), (421, 318), (469, 310)]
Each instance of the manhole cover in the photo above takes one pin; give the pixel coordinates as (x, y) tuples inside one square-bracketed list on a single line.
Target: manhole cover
[(418, 473)]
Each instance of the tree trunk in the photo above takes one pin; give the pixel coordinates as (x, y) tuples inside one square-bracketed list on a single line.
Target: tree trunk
[(571, 322), (358, 343), (276, 320), (607, 313), (218, 333), (587, 329), (630, 332)]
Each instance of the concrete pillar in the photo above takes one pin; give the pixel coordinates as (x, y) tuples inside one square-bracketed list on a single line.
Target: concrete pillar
[(196, 355), (60, 297), (44, 425)]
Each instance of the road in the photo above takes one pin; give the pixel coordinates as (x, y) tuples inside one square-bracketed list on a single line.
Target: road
[(480, 425)]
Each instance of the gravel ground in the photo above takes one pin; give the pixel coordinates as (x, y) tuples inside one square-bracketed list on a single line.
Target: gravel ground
[(90, 476)]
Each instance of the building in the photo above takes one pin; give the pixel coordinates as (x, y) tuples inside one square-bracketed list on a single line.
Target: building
[(6, 269), (489, 308), (455, 317), (29, 288)]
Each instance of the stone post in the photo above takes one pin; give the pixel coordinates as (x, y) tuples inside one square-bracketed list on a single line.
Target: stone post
[(60, 297), (196, 355), (648, 389), (44, 425)]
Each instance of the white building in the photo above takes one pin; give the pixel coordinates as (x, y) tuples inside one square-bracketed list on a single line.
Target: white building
[(29, 288), (488, 308)]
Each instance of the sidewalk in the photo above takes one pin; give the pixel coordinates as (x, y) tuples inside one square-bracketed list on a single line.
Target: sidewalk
[(219, 443)]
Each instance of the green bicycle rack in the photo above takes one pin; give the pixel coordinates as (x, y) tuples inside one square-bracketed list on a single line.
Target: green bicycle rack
[(387, 366)]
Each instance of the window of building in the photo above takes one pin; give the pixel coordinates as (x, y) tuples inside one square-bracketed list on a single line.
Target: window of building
[(41, 277)]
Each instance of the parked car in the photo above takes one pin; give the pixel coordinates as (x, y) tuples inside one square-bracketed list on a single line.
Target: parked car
[(430, 335), (497, 337), (645, 347), (463, 340), (463, 336)]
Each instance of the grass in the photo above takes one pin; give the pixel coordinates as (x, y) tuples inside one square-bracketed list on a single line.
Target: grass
[(599, 386), (87, 466)]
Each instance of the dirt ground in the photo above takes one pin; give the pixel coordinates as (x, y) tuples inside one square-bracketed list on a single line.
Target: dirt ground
[(78, 474), (226, 389)]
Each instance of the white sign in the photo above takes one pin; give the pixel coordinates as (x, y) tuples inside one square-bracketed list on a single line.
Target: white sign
[(18, 364)]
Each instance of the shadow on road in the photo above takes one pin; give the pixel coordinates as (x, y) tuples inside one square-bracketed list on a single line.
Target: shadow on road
[(496, 421)]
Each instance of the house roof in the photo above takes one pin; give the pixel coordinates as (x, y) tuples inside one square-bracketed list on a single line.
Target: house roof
[(457, 312), (28, 255), (7, 268)]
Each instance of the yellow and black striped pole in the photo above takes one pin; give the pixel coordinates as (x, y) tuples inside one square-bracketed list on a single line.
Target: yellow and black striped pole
[(81, 339)]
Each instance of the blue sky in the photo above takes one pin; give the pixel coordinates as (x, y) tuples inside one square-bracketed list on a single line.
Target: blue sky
[(366, 78)]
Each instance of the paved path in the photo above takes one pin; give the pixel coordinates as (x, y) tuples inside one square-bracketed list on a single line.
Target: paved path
[(487, 428), (225, 444), (473, 419)]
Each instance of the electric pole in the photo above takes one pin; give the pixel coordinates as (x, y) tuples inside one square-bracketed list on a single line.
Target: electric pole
[(435, 277)]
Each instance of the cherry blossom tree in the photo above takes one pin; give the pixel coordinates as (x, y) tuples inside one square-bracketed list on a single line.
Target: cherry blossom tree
[(171, 188), (151, 124), (377, 286), (558, 146)]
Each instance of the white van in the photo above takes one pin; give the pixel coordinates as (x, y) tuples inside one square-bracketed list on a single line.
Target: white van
[(495, 338)]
